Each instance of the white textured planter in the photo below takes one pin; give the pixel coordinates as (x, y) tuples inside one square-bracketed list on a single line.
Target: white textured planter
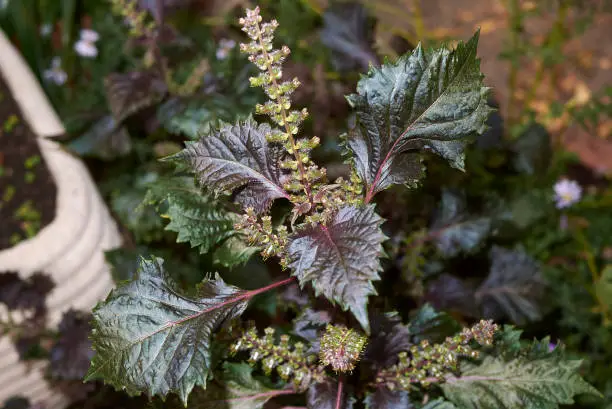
[(70, 248)]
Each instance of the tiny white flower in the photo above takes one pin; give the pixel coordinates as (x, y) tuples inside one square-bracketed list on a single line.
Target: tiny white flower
[(56, 74), (567, 192), (86, 46), (46, 29), (225, 46), (89, 35)]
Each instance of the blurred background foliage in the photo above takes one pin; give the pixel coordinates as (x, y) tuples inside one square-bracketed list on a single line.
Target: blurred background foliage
[(488, 242)]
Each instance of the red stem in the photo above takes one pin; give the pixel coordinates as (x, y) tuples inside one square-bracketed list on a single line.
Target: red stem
[(339, 395), (244, 296), (272, 286)]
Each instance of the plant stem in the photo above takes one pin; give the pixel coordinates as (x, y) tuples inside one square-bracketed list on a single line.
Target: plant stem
[(339, 395), (253, 293)]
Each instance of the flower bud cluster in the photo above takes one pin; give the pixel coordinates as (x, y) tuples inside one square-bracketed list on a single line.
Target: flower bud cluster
[(341, 348), (291, 362), (135, 19), (428, 363), (262, 234), (304, 173)]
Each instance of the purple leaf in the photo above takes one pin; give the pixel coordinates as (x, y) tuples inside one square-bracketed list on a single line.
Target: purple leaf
[(341, 259)]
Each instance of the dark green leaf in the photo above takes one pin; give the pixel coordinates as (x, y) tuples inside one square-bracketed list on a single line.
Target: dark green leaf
[(197, 219), (233, 252), (149, 338), (345, 32), (123, 263), (341, 259), (324, 396), (234, 389), (454, 229), (383, 398), (389, 338), (237, 158), (431, 325), (518, 384), (514, 287), (105, 139), (430, 99), (128, 93), (533, 150)]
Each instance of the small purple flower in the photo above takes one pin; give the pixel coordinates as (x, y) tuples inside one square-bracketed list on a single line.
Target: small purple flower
[(551, 346), (56, 74), (567, 192)]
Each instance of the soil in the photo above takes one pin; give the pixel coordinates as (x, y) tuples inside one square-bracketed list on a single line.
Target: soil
[(27, 189)]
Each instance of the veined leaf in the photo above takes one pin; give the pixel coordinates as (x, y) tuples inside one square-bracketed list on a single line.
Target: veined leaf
[(456, 230), (133, 91), (323, 395), (520, 383), (383, 398), (341, 259), (235, 389), (149, 338), (430, 99), (199, 220), (514, 287), (237, 158)]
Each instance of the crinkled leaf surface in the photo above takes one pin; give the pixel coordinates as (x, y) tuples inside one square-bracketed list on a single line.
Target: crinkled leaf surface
[(430, 99), (345, 32), (238, 158), (383, 398), (128, 93), (518, 384), (149, 338), (235, 388), (341, 259), (324, 395), (455, 230), (198, 219), (514, 287)]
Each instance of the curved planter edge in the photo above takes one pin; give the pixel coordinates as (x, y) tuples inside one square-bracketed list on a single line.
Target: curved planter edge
[(70, 249)]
